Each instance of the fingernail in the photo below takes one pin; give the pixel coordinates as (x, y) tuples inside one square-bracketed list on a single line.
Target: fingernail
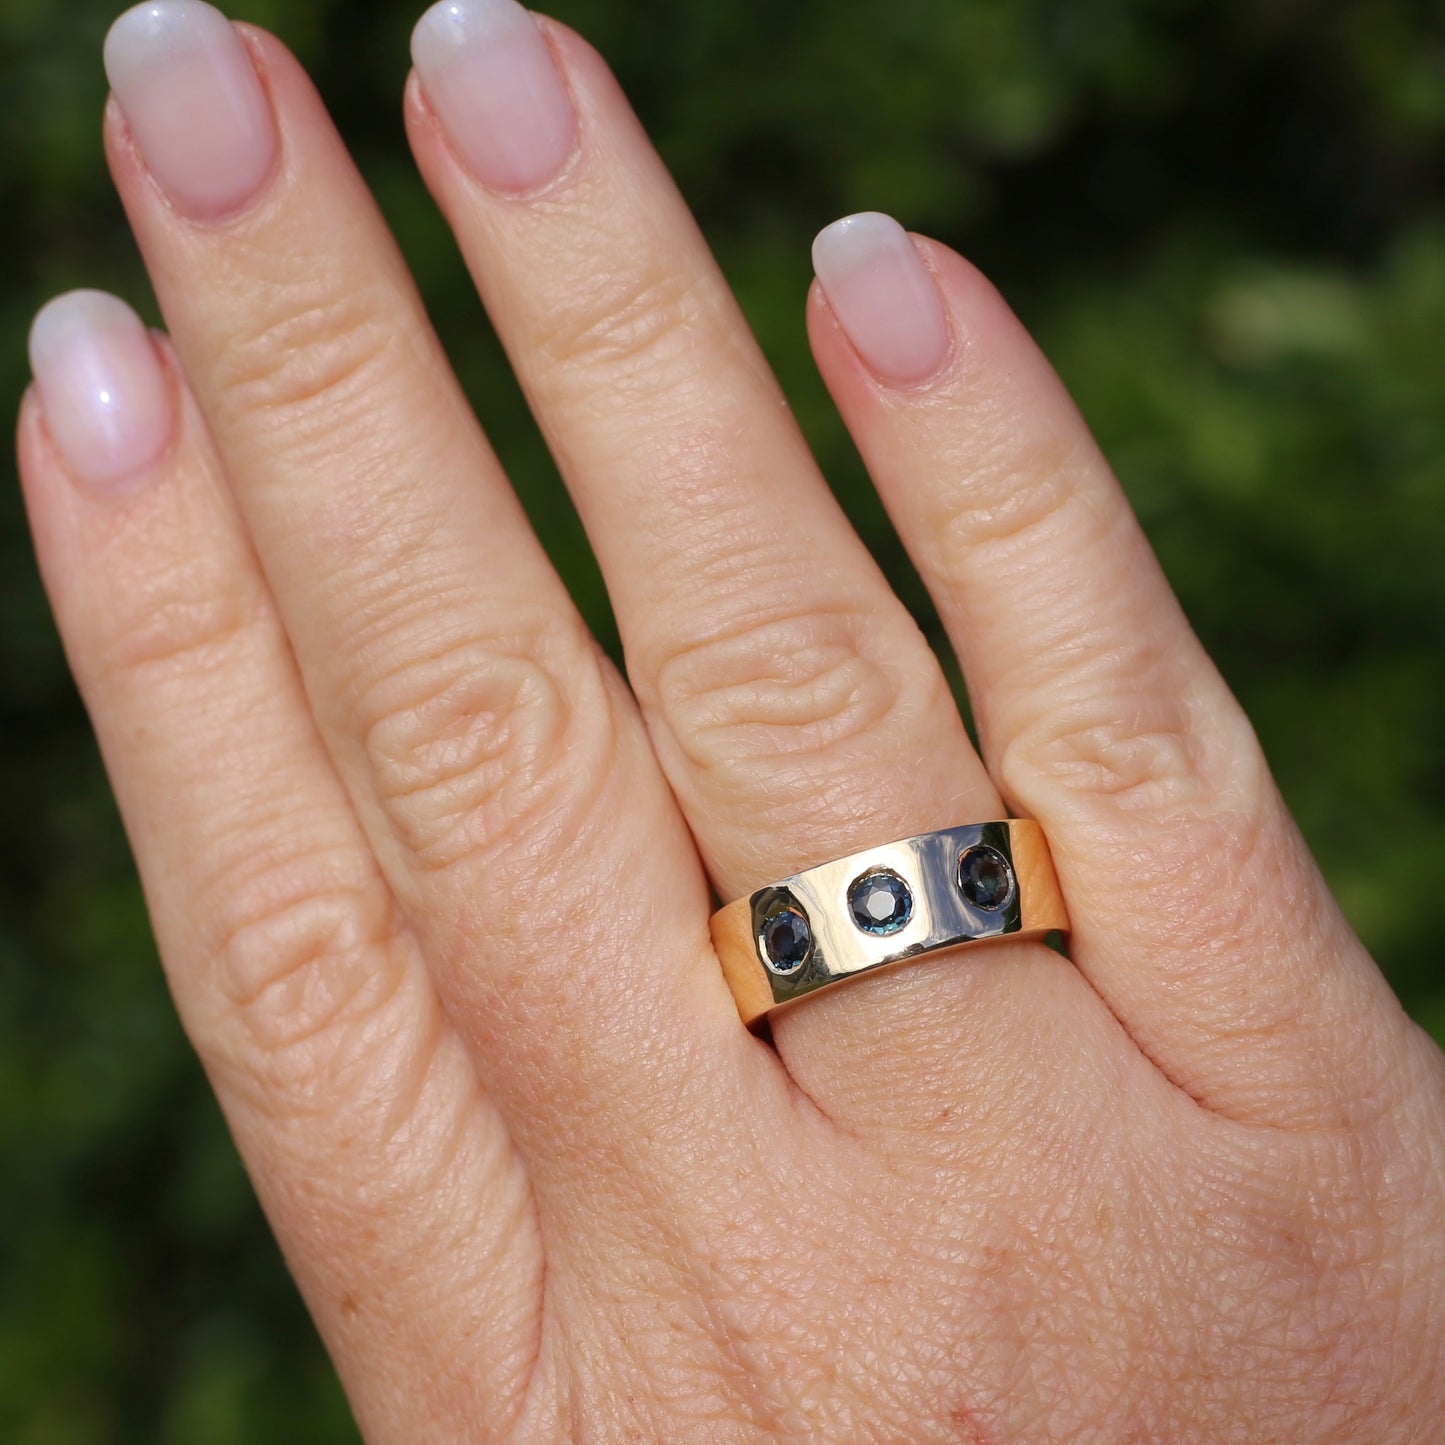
[(190, 95), (488, 75), (883, 296), (105, 398)]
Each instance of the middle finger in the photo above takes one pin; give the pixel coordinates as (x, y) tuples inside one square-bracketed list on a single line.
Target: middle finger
[(497, 766)]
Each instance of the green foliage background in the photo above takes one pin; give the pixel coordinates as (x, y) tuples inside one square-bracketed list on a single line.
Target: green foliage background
[(1224, 220)]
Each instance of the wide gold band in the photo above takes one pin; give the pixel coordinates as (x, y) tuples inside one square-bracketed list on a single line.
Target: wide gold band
[(886, 905)]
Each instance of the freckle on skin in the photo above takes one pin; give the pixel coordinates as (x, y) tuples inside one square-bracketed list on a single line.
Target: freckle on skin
[(970, 1431)]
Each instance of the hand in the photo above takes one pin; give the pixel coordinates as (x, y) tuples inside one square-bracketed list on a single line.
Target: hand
[(431, 880)]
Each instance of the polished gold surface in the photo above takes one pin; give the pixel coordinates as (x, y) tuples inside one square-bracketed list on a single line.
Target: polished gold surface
[(941, 916)]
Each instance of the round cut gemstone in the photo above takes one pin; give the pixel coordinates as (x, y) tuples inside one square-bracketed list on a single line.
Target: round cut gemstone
[(881, 902), (985, 878), (787, 940)]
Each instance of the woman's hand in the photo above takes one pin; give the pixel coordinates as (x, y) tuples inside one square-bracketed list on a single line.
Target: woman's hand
[(431, 880)]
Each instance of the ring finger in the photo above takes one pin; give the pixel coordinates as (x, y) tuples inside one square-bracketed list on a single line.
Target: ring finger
[(796, 708)]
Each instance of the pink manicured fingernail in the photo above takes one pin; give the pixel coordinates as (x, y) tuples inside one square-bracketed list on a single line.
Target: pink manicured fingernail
[(191, 97), (488, 74), (106, 401), (883, 296)]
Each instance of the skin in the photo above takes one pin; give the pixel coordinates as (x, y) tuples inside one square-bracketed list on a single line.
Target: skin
[(401, 827)]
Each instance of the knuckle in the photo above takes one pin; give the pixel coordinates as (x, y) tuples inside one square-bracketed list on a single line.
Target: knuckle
[(309, 958), (1143, 754), (181, 619), (1011, 496), (1172, 745), (471, 745), (636, 327), (310, 363), (747, 707), (1199, 793)]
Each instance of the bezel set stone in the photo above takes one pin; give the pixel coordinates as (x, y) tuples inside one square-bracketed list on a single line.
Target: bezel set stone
[(785, 940), (880, 902), (986, 878)]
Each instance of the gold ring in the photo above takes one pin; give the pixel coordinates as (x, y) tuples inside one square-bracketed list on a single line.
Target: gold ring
[(884, 906)]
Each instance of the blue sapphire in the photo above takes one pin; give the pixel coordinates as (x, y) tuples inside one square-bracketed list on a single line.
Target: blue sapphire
[(881, 902), (985, 878), (786, 940)]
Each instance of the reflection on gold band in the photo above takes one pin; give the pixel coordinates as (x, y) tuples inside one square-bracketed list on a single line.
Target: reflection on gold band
[(884, 906)]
